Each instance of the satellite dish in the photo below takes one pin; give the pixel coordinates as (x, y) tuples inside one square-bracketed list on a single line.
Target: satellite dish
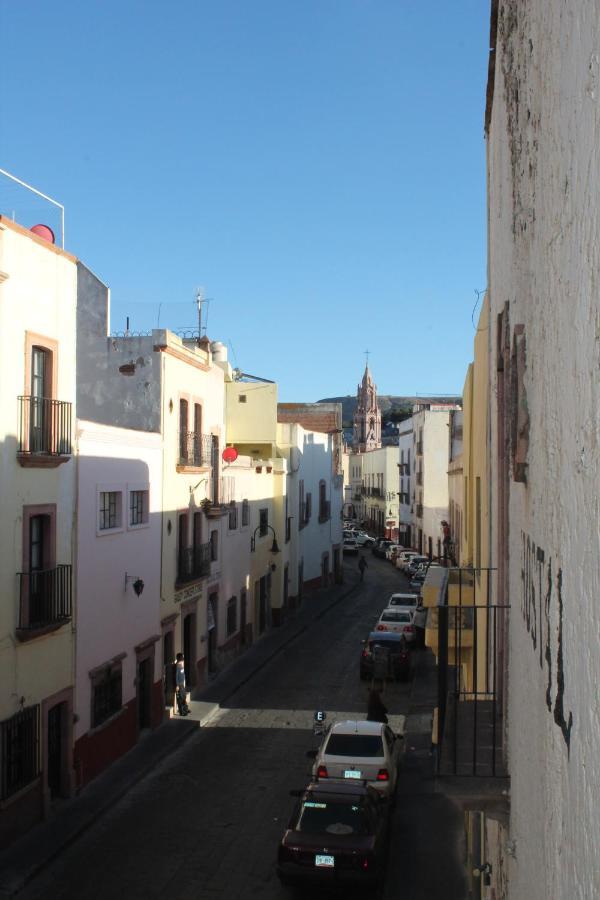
[(230, 454)]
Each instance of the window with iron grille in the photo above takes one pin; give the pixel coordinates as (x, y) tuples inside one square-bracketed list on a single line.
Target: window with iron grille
[(138, 507), (214, 546), (19, 757), (109, 510), (245, 512), (107, 694), (233, 515), (232, 616), (263, 521)]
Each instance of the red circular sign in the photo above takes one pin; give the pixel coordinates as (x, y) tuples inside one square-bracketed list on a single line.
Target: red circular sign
[(230, 454)]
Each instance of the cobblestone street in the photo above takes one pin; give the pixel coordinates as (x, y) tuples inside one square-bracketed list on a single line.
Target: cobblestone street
[(206, 823)]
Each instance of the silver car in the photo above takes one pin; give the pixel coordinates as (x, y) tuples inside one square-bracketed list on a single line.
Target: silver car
[(359, 751), (399, 620)]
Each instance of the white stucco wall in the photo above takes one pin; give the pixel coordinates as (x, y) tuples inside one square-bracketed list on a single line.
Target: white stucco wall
[(544, 256), (111, 619), (406, 445), (38, 290)]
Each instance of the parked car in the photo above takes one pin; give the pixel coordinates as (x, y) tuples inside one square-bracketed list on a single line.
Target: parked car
[(380, 547), (404, 557), (398, 620), (392, 551), (395, 648), (359, 750), (337, 835), (414, 564), (350, 546), (363, 539), (404, 601)]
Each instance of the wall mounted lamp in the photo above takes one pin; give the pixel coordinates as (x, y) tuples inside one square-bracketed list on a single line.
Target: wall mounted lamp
[(138, 584), (274, 546)]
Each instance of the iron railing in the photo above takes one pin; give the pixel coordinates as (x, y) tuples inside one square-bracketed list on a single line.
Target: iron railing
[(19, 751), (45, 597), (44, 427), (193, 563), (471, 661), (195, 449)]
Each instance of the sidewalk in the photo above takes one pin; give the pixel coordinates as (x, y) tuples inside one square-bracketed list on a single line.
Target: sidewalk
[(24, 859)]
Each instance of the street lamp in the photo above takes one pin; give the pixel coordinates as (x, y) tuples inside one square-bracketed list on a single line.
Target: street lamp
[(274, 546)]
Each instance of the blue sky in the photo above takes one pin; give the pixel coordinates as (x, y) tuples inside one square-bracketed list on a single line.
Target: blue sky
[(318, 167)]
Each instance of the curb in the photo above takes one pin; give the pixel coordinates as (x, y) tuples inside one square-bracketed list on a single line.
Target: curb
[(16, 884)]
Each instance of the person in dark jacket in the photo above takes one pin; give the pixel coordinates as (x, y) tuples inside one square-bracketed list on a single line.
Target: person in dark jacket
[(376, 709)]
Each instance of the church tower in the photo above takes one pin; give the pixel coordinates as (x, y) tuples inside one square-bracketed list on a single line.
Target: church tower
[(367, 418)]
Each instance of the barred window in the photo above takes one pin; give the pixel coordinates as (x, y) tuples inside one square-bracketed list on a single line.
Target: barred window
[(232, 515), (19, 760), (232, 616), (245, 512), (138, 507), (109, 510), (107, 694)]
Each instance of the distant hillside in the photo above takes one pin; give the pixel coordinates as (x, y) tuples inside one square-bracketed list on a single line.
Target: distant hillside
[(393, 409)]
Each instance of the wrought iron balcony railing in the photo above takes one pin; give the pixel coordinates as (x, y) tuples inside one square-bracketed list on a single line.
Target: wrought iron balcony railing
[(44, 427), (193, 563), (45, 598), (195, 449)]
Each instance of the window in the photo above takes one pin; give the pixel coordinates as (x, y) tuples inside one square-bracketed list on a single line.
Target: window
[(242, 398), (138, 507), (214, 546), (245, 512), (263, 521), (308, 510), (233, 515), (109, 510), (301, 506), (19, 739), (232, 616), (106, 694), (183, 431)]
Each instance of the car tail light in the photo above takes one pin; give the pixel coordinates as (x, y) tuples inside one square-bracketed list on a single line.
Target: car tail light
[(366, 652), (409, 629), (364, 863), (383, 775), (322, 772), (381, 628)]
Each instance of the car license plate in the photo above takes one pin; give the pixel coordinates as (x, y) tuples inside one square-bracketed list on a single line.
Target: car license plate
[(352, 773), (327, 861)]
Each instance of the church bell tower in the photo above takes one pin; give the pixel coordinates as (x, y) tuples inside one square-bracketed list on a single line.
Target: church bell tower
[(367, 417)]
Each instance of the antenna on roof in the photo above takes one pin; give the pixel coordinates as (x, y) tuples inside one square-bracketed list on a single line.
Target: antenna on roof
[(202, 304)]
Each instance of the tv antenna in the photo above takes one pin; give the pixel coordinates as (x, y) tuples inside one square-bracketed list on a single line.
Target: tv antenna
[(202, 303)]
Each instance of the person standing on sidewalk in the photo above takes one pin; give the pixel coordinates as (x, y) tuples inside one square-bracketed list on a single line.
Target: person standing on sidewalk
[(362, 565), (181, 691)]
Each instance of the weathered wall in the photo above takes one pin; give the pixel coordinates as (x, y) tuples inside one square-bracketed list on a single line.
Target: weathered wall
[(544, 256)]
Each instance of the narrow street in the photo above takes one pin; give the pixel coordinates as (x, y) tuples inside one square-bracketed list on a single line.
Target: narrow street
[(207, 822)]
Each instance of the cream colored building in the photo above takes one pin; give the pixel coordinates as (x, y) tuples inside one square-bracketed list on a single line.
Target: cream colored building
[(430, 481), (38, 290), (378, 488)]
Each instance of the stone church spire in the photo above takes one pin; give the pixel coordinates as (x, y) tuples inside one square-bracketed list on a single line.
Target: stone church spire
[(367, 417)]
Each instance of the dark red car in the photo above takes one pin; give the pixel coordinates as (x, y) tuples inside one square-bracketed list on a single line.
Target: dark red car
[(337, 836)]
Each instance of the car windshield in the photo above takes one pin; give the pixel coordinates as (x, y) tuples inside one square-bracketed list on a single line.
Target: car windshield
[(326, 817), (388, 646), (395, 615), (354, 745), (403, 600)]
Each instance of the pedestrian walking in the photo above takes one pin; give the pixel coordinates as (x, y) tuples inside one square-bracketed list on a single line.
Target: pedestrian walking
[(376, 709), (181, 690), (362, 565)]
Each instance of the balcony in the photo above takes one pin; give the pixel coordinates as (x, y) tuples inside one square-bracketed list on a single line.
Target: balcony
[(325, 511), (468, 637), (193, 563), (44, 432), (195, 450), (45, 601)]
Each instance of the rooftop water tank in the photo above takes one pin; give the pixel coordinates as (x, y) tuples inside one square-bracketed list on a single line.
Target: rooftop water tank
[(219, 351), (44, 232)]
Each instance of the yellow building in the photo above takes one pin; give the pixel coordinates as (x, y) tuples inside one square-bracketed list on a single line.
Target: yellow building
[(38, 297)]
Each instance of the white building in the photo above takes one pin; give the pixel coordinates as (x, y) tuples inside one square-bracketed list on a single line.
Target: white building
[(119, 674), (542, 124), (378, 489), (406, 481), (38, 294), (430, 484)]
